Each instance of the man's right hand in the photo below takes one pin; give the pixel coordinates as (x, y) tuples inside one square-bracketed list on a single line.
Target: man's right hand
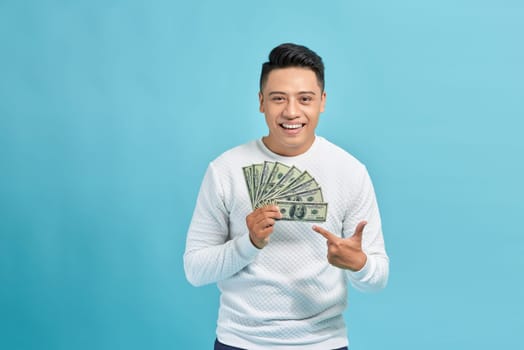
[(260, 224)]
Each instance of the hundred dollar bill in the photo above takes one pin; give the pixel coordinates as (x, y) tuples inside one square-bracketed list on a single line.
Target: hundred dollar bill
[(248, 176), (310, 196), (278, 171), (305, 186), (296, 192), (264, 176), (284, 181), (297, 184), (257, 173), (304, 177), (300, 211)]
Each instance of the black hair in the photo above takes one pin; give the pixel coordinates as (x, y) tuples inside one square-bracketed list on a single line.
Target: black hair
[(293, 55)]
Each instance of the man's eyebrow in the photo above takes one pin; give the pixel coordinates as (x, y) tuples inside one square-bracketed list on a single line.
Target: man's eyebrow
[(283, 93)]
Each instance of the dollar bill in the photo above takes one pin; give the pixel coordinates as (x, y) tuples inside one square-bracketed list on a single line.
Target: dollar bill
[(302, 178), (264, 177), (301, 211), (305, 186), (310, 196), (296, 191), (288, 178), (278, 171), (257, 173), (248, 176)]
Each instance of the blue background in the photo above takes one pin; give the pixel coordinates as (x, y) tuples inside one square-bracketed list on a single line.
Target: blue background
[(111, 110)]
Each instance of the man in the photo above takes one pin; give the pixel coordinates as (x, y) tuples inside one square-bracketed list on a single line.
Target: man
[(282, 286)]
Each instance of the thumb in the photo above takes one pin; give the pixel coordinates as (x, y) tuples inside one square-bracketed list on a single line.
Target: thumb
[(359, 230)]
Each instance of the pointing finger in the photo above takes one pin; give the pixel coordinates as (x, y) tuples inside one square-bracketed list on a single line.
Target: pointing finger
[(327, 235)]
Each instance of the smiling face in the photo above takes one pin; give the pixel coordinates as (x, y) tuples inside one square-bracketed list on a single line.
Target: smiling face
[(291, 100)]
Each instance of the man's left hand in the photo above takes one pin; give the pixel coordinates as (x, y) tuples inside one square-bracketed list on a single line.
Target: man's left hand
[(345, 253)]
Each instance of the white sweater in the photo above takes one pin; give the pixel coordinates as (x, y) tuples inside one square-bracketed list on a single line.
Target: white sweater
[(286, 295)]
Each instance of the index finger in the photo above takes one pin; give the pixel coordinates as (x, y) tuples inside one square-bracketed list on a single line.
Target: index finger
[(272, 209), (327, 235)]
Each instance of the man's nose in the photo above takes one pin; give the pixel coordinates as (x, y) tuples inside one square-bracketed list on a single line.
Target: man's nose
[(292, 109)]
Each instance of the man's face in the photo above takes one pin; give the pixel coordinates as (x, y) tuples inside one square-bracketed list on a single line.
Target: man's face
[(292, 101)]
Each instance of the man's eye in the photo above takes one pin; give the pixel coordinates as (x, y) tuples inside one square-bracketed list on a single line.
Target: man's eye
[(277, 99), (306, 99)]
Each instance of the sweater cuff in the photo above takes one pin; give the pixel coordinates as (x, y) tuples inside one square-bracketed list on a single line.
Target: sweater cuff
[(365, 272), (245, 248)]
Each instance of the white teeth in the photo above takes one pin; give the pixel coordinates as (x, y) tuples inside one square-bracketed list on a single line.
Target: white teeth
[(291, 126)]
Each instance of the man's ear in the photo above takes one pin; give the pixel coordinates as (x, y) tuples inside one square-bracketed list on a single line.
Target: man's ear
[(323, 101), (261, 102)]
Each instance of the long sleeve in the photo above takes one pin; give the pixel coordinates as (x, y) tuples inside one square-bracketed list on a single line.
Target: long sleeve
[(210, 254), (374, 275)]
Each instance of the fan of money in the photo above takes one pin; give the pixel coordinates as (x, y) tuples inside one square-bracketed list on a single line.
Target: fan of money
[(295, 192)]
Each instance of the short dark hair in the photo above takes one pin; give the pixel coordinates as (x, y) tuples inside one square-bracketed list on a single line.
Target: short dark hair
[(293, 55)]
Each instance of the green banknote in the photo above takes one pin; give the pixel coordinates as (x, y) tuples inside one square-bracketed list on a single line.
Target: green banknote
[(302, 211), (248, 176), (296, 192)]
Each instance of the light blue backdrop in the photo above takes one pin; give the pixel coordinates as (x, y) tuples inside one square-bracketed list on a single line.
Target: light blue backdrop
[(111, 110)]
